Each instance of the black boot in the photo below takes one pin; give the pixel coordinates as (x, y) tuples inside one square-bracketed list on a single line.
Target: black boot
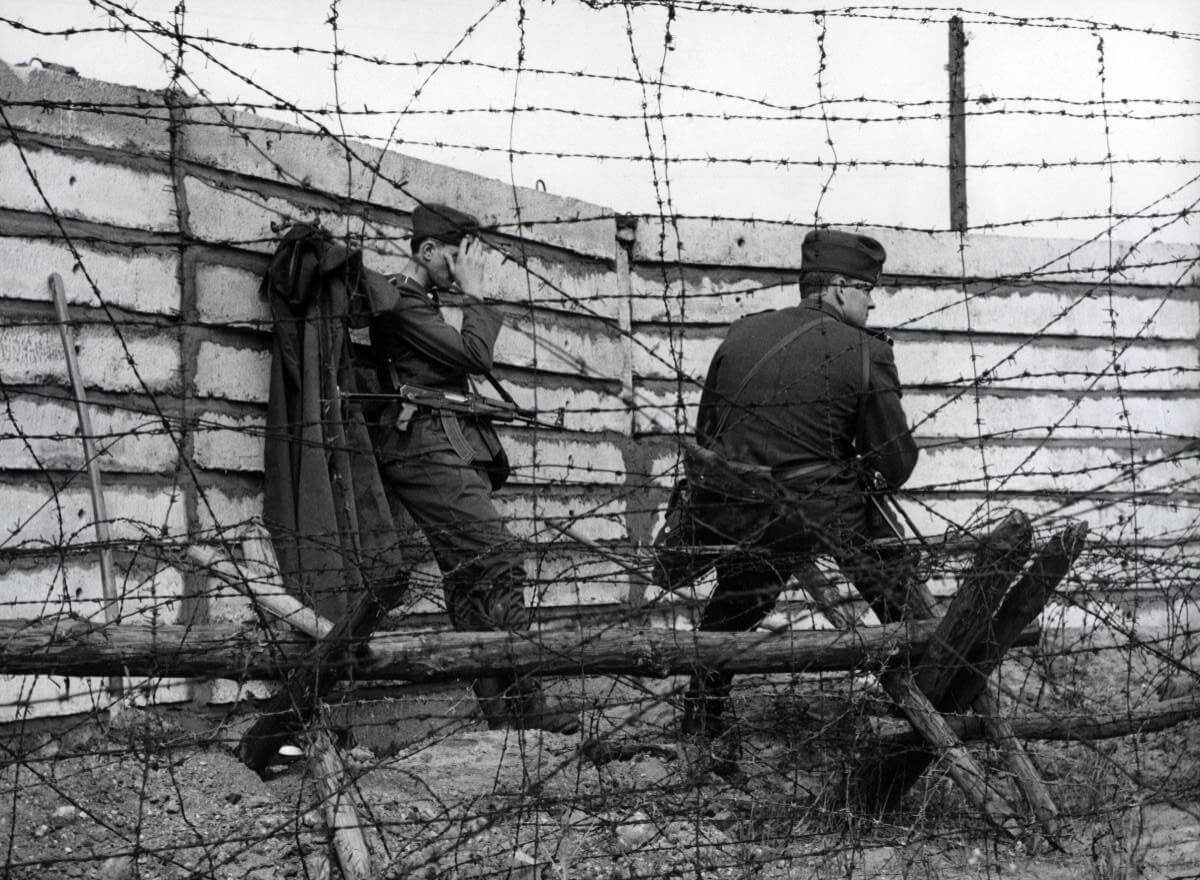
[(704, 705), (704, 721), (533, 709), (493, 702)]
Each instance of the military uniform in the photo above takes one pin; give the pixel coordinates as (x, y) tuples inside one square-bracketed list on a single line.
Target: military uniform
[(811, 402), (440, 466), (435, 464)]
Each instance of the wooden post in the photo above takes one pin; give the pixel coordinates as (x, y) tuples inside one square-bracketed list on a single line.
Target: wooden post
[(1076, 728), (91, 461), (327, 769), (958, 126), (1021, 606), (884, 781)]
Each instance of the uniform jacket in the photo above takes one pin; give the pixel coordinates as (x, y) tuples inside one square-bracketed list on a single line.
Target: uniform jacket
[(412, 341), (810, 403)]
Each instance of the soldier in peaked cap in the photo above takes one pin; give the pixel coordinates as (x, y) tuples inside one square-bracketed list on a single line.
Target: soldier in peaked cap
[(441, 466), (800, 402)]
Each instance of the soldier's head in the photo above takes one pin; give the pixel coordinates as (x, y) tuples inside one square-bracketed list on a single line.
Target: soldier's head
[(437, 231), (841, 268)]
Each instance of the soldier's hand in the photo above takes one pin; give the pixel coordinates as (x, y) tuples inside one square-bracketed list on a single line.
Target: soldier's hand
[(468, 267)]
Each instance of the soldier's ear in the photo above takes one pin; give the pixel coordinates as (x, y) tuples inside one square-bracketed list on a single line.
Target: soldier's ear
[(425, 251)]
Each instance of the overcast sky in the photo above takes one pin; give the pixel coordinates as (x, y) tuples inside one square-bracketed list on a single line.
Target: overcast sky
[(752, 82)]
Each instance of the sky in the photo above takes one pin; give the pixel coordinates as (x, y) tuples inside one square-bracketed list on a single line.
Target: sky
[(705, 111)]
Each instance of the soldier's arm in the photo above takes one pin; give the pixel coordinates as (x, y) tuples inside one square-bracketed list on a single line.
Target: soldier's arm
[(707, 414), (884, 439), (423, 327)]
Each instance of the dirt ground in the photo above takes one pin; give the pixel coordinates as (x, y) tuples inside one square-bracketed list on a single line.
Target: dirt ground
[(159, 794)]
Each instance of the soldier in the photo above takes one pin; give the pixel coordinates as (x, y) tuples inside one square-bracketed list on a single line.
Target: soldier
[(798, 404), (443, 466)]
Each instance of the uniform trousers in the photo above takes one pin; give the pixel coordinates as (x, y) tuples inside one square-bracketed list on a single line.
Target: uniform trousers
[(772, 542), (483, 573)]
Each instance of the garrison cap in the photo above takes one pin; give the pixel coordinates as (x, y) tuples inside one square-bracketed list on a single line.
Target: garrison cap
[(846, 253), (442, 223)]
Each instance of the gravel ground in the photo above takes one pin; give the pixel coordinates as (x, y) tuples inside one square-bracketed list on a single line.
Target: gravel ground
[(159, 794)]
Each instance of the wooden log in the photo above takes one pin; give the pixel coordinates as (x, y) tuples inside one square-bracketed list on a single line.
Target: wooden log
[(262, 587), (316, 674), (258, 550), (996, 564), (1020, 764), (823, 594), (884, 780), (327, 769), (75, 647), (1041, 726), (932, 727), (1021, 607)]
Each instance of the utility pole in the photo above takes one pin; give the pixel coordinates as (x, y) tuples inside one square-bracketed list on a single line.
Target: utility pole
[(958, 127)]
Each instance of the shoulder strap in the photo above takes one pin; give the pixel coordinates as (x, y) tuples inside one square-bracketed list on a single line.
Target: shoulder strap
[(500, 389), (865, 384), (758, 365)]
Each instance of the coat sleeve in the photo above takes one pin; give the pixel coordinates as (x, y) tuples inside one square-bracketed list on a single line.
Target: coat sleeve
[(884, 439), (708, 414), (470, 349)]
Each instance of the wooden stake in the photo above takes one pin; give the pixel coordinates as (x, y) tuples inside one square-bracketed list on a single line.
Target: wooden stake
[(327, 769), (934, 729), (91, 458)]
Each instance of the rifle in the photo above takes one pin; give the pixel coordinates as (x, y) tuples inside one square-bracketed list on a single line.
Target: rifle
[(414, 397)]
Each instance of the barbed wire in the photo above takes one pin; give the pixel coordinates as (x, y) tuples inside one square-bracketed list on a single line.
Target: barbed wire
[(546, 806)]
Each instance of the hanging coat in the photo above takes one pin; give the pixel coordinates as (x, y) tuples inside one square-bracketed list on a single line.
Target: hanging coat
[(324, 502)]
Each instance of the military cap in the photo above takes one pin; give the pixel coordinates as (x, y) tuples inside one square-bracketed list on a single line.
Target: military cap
[(846, 253), (442, 223)]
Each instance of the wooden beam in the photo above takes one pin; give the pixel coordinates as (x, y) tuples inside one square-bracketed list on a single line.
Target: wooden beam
[(1021, 607), (75, 647), (934, 730), (1073, 728)]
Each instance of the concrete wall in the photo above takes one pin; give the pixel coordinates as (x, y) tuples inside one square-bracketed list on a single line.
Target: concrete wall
[(1037, 377)]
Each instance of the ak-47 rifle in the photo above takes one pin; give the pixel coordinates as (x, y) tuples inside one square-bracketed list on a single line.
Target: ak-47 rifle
[(415, 397)]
